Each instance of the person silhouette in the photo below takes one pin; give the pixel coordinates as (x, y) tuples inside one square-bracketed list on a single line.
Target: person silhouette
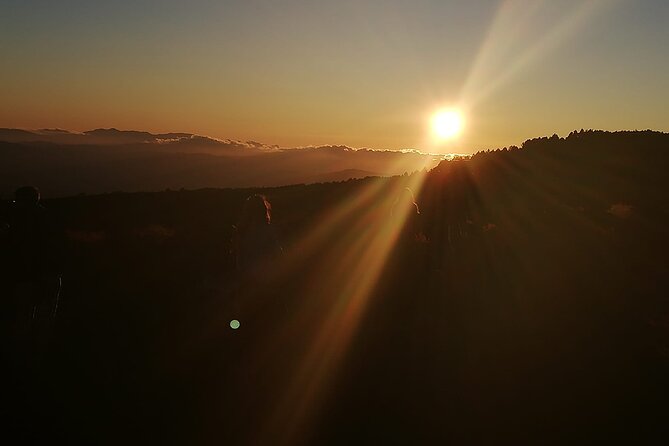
[(6, 277), (407, 212), (34, 256), (255, 249), (255, 242)]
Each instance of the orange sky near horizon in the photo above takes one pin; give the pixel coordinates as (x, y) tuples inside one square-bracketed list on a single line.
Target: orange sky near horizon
[(362, 75)]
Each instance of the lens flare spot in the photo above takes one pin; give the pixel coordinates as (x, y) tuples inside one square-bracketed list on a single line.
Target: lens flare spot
[(234, 324)]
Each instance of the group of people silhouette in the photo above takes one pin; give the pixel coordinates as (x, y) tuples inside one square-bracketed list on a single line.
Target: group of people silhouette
[(33, 258), (33, 255), (266, 316)]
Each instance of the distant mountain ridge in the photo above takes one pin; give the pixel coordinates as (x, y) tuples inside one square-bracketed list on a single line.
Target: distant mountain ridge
[(62, 163)]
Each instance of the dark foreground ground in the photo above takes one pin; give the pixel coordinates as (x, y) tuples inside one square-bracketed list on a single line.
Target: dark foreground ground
[(533, 311)]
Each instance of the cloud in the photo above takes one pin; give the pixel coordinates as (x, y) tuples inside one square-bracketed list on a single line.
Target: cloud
[(173, 142)]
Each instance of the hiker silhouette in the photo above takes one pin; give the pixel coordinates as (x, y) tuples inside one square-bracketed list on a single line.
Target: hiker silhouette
[(407, 211), (255, 243), (255, 249), (34, 259)]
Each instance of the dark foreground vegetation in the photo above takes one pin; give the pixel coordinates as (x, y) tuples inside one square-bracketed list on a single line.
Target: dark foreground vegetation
[(527, 303)]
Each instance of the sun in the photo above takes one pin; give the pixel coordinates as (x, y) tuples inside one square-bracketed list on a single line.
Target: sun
[(447, 124)]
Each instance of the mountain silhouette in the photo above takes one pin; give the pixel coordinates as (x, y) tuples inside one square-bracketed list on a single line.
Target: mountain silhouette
[(107, 160)]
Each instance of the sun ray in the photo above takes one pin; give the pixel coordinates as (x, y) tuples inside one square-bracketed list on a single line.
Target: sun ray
[(351, 277), (503, 54)]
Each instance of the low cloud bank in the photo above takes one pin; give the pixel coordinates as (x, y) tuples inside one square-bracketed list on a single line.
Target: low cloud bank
[(106, 160)]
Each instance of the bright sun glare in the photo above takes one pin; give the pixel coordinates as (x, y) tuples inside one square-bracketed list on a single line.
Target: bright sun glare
[(447, 124)]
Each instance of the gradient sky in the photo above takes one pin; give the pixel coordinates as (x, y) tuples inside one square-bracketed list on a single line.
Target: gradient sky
[(360, 73)]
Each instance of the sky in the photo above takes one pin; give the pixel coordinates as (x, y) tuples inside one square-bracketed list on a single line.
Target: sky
[(357, 73)]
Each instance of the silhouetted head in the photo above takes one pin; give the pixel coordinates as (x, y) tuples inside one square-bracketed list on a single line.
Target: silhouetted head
[(256, 211), (27, 196), (406, 202)]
